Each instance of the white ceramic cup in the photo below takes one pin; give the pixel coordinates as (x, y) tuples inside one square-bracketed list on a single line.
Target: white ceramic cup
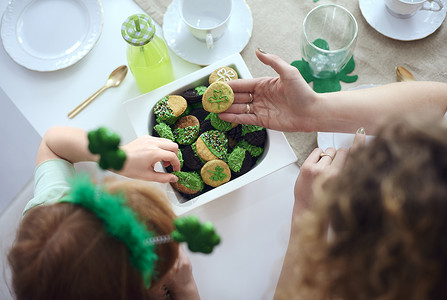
[(207, 20), (406, 8)]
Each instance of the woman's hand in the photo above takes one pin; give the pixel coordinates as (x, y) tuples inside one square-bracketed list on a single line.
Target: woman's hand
[(181, 283), (328, 163), (282, 103), (142, 155)]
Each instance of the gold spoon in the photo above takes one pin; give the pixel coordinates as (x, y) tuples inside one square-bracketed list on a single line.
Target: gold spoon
[(115, 79), (403, 74)]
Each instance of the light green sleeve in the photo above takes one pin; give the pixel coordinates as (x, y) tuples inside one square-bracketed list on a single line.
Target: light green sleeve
[(50, 182)]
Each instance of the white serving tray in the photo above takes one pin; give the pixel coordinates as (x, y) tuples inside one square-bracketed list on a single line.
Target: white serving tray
[(277, 153)]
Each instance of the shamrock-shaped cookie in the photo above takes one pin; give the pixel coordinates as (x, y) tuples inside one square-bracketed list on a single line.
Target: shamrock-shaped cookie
[(215, 172)]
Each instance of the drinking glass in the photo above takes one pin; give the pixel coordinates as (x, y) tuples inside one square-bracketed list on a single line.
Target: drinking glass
[(328, 39)]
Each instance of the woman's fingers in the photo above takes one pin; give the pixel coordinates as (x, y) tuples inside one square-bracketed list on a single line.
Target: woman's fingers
[(243, 85), (246, 108), (340, 159), (239, 118), (314, 157), (359, 139), (327, 156), (275, 62), (241, 114)]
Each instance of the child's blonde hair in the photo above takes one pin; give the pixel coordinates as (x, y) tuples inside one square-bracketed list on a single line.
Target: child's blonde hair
[(62, 251)]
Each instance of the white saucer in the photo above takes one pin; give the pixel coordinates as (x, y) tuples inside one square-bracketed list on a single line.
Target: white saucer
[(185, 45), (49, 35), (337, 140), (422, 24)]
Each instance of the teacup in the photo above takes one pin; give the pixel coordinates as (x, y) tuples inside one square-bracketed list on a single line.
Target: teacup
[(207, 20), (407, 8)]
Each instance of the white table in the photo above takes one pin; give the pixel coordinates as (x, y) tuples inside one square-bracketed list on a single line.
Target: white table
[(253, 221)]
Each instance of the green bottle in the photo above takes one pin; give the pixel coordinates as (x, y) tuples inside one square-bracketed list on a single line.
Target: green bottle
[(147, 54)]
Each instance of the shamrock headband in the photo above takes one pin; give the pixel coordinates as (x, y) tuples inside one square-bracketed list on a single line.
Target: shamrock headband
[(122, 222), (119, 221)]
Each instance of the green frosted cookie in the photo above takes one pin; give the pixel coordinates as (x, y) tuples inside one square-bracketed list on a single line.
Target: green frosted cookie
[(169, 108), (212, 144), (188, 182), (255, 151), (236, 159), (186, 130), (163, 130), (218, 123)]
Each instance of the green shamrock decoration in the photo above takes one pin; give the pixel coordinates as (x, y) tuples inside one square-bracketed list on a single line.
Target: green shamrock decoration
[(200, 237), (219, 175), (325, 85), (106, 143), (218, 98)]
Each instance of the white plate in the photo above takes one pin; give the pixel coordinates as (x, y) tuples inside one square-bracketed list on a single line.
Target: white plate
[(337, 140), (422, 24), (340, 140), (277, 152), (49, 35), (185, 45)]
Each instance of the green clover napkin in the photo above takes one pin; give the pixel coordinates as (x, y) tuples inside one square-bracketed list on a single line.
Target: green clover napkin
[(326, 85)]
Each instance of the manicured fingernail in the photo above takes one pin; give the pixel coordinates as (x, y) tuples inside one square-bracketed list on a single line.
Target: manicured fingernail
[(361, 130), (262, 51)]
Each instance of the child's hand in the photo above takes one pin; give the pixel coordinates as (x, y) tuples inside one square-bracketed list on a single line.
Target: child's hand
[(142, 155), (181, 284)]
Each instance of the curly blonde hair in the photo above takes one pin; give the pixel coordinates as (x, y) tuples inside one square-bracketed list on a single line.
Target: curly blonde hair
[(387, 219)]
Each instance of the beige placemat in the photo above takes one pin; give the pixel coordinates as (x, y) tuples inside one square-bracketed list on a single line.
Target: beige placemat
[(276, 29)]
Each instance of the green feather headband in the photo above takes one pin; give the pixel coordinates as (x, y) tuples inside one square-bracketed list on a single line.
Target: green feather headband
[(119, 221)]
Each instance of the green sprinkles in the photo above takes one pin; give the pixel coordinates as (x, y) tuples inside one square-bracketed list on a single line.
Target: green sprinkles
[(168, 122), (218, 123), (180, 157), (190, 180), (164, 131), (253, 150), (236, 158), (250, 128), (196, 105), (200, 90), (187, 135), (216, 142), (163, 111)]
